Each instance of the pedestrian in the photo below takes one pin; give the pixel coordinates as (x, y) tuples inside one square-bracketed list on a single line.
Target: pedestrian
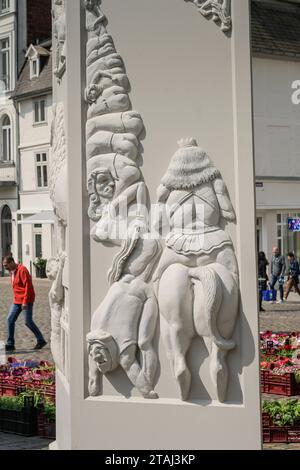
[(262, 277), (24, 297), (277, 271), (293, 276)]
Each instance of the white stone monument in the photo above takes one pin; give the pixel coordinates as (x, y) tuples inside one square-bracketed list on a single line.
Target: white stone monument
[(154, 302)]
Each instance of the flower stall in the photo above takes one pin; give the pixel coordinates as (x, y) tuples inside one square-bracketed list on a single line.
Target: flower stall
[(27, 398), (280, 363)]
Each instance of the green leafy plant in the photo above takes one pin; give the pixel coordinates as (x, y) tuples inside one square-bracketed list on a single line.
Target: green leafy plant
[(40, 263), (297, 376), (49, 410), (11, 403), (283, 412)]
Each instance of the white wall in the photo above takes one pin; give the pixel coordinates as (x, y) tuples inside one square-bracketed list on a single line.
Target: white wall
[(278, 195), (32, 133), (276, 118)]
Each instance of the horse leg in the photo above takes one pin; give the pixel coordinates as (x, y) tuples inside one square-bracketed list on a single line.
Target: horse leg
[(219, 371), (180, 344)]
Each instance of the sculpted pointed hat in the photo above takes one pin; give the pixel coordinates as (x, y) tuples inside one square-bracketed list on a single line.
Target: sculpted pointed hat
[(190, 166)]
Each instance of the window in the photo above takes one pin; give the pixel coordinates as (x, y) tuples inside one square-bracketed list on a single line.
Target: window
[(5, 63), (40, 111), (6, 139), (41, 170), (34, 68), (5, 5)]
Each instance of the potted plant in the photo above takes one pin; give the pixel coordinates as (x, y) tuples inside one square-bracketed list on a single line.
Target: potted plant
[(40, 266)]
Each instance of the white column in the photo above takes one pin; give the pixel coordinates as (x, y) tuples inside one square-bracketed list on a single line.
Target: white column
[(188, 78)]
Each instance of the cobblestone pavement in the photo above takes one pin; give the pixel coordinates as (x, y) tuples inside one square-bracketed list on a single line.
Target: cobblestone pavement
[(14, 442), (282, 317), (24, 339), (285, 317), (25, 342)]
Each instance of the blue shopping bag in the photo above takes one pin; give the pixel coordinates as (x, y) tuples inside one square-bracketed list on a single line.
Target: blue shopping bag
[(269, 295)]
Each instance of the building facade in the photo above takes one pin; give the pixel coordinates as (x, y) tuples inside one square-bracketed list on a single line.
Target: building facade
[(33, 100), (21, 22), (276, 67)]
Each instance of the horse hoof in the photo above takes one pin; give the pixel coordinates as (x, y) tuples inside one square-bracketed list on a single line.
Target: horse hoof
[(151, 395)]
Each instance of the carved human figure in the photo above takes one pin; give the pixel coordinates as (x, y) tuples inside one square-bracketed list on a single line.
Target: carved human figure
[(94, 16), (59, 29), (54, 270), (124, 324), (199, 263)]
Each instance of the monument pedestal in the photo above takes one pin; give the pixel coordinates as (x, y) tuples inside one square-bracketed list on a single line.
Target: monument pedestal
[(190, 77)]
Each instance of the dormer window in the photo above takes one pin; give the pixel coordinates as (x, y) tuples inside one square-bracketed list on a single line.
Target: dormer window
[(34, 67), (37, 56)]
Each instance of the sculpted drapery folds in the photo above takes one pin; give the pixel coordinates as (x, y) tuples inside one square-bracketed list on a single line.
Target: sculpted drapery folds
[(218, 10), (124, 324)]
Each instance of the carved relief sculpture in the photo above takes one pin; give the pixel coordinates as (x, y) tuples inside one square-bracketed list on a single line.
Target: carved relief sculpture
[(124, 324), (56, 267), (199, 263), (59, 30), (219, 10)]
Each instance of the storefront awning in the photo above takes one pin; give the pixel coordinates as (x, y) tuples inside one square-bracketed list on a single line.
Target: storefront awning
[(43, 217)]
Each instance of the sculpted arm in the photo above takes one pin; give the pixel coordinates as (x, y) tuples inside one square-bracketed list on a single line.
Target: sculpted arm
[(226, 207)]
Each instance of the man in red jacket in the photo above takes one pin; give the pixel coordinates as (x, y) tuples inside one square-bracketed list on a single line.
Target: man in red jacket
[(24, 297)]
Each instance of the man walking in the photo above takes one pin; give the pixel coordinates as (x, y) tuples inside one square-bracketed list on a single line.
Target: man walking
[(24, 297), (277, 271), (293, 278)]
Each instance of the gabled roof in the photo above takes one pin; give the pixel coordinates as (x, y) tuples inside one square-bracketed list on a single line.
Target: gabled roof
[(35, 51), (35, 86), (276, 28)]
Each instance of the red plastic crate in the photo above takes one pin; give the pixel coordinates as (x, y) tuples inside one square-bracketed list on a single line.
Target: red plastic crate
[(283, 434), (279, 384), (8, 389)]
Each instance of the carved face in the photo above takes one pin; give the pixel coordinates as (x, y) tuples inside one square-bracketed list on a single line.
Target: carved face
[(104, 184), (93, 92), (101, 356), (90, 4)]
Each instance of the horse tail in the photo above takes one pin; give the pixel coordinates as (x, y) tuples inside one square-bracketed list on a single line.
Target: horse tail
[(213, 296)]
